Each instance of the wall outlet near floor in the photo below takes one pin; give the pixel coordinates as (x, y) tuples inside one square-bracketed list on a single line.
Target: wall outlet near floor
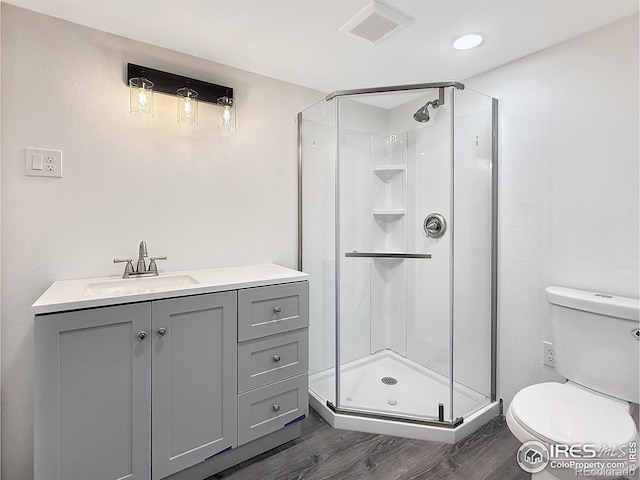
[(43, 163), (548, 354)]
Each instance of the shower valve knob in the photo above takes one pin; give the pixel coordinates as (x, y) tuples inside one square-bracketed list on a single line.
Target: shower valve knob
[(434, 225)]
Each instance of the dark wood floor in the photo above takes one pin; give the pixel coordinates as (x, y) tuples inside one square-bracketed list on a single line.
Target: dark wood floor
[(323, 453)]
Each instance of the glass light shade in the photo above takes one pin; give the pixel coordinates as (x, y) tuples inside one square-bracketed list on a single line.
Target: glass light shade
[(187, 106), (227, 119), (140, 96)]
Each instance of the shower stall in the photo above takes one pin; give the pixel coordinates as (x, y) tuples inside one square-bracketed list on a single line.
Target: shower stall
[(397, 227)]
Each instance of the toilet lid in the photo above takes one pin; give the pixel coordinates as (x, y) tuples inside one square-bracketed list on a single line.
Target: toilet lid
[(562, 413)]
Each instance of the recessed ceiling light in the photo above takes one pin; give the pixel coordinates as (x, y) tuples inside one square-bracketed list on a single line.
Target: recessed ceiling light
[(467, 41)]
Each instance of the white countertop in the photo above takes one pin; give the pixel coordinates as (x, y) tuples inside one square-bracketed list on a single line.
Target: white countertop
[(77, 294)]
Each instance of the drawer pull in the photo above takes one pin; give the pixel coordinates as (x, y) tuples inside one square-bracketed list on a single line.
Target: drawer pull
[(276, 407), (276, 358), (161, 332), (142, 335), (277, 309)]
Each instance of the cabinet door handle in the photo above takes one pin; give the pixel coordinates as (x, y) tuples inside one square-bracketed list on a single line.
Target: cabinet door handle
[(142, 335), (276, 358), (161, 332), (276, 407), (277, 309)]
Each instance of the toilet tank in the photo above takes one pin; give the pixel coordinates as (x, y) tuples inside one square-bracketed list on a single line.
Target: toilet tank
[(597, 340)]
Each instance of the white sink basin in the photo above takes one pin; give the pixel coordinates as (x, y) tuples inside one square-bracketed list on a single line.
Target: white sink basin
[(130, 286)]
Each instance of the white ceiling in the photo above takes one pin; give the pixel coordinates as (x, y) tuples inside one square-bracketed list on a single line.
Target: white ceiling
[(298, 41)]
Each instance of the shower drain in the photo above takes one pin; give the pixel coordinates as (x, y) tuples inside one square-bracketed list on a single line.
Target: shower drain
[(389, 380)]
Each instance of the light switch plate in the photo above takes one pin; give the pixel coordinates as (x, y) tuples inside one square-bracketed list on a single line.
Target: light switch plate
[(39, 162)]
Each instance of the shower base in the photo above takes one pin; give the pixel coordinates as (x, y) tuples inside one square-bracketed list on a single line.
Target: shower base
[(416, 393)]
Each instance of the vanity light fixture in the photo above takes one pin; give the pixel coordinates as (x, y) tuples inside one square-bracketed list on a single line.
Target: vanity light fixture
[(187, 105), (140, 96), (189, 92), (227, 120), (467, 41)]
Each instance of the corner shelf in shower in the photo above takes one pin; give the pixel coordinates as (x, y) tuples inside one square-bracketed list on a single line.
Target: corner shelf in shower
[(389, 213), (388, 172)]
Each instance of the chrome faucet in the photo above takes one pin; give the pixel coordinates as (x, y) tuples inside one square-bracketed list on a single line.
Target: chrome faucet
[(142, 252), (141, 270)]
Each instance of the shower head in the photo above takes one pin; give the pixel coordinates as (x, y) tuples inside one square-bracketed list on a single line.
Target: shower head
[(422, 115)]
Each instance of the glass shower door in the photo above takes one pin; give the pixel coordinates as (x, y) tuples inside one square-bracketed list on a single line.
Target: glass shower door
[(394, 281), (318, 176), (474, 268)]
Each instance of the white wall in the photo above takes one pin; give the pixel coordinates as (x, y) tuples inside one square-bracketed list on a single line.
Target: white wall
[(568, 185), (202, 200)]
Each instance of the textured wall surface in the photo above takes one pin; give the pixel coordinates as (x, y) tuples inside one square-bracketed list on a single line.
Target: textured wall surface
[(568, 185), (202, 200)]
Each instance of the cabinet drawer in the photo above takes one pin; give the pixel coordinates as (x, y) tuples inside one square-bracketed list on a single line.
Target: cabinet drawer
[(271, 359), (267, 409), (273, 309)]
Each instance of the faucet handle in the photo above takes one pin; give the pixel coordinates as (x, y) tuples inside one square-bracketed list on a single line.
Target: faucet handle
[(152, 264), (128, 269)]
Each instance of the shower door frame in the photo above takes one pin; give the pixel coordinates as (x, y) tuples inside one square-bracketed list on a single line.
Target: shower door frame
[(494, 251)]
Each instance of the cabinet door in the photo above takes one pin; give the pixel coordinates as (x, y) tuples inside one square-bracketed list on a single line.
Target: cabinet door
[(92, 394), (194, 383)]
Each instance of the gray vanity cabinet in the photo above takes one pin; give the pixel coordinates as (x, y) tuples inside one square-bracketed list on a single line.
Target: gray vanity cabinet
[(93, 391), (102, 411), (194, 380), (170, 387)]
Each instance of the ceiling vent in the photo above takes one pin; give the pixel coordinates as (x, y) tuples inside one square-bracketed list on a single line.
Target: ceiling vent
[(375, 23)]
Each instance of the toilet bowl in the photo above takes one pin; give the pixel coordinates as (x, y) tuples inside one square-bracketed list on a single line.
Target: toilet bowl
[(569, 414), (589, 417)]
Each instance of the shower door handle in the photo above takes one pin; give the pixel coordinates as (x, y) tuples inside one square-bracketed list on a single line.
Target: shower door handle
[(387, 255)]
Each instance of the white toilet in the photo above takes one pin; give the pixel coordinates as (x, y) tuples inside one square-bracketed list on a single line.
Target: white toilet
[(596, 341)]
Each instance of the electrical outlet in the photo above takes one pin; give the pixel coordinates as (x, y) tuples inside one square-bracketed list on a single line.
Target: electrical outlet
[(548, 354), (43, 163)]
